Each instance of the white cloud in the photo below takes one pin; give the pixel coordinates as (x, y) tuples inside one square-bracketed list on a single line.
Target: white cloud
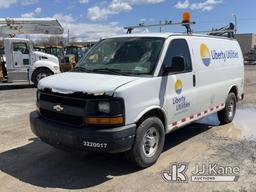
[(181, 5), (29, 2), (97, 13), (115, 7), (84, 1), (35, 13), (206, 5), (7, 4), (119, 6), (86, 31), (65, 19)]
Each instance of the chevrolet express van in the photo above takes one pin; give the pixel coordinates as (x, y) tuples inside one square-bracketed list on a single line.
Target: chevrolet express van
[(131, 90)]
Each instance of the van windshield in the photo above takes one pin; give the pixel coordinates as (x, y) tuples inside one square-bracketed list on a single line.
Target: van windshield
[(123, 56)]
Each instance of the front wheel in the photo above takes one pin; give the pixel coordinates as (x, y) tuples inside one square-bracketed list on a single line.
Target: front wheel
[(40, 74), (227, 114), (149, 142)]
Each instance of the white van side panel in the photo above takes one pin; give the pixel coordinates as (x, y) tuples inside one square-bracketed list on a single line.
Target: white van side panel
[(219, 64)]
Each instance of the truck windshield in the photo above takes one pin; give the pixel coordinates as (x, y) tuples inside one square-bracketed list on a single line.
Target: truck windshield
[(123, 56)]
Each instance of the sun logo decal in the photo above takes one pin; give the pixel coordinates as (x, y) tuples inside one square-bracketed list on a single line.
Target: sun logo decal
[(205, 55), (178, 86)]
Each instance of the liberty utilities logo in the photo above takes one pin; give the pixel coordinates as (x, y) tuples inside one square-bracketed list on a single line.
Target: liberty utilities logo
[(208, 55), (177, 173), (178, 87), (205, 55)]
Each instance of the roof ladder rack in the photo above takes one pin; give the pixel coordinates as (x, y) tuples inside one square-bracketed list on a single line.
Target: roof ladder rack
[(167, 23), (228, 30), (185, 22)]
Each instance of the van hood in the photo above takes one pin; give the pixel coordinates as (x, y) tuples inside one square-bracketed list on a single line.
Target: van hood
[(88, 83)]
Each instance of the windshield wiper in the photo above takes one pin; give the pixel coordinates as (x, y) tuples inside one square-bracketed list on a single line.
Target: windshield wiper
[(113, 71), (107, 70), (80, 69)]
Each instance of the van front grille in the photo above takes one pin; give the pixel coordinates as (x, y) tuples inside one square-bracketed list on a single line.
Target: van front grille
[(62, 118), (70, 101)]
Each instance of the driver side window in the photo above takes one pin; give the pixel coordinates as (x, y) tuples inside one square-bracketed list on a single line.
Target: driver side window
[(22, 47), (178, 47)]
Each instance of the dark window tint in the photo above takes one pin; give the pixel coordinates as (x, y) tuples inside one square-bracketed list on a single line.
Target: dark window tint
[(178, 47)]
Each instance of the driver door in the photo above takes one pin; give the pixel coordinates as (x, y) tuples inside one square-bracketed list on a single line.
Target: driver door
[(181, 88), (21, 62)]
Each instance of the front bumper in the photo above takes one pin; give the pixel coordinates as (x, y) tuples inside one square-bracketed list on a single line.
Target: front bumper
[(111, 140)]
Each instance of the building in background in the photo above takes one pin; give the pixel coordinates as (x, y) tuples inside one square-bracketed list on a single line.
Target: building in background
[(247, 42), (248, 45)]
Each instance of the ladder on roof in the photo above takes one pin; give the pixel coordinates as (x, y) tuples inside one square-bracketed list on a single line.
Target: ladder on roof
[(224, 31), (228, 30), (167, 23)]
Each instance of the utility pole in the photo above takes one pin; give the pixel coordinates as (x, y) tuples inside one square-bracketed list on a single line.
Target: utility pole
[(68, 36)]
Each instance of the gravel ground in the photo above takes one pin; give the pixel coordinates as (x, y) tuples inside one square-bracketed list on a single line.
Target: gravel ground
[(27, 164)]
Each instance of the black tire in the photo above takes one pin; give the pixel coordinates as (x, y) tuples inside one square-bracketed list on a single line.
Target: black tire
[(39, 74), (137, 154), (227, 114)]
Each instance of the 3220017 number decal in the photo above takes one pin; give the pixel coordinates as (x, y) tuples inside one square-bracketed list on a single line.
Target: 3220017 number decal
[(94, 144)]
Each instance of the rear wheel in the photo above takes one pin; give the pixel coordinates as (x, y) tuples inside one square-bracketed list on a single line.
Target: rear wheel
[(40, 74), (227, 114), (149, 142)]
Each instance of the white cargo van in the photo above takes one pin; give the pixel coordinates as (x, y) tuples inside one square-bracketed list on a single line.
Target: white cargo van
[(131, 90)]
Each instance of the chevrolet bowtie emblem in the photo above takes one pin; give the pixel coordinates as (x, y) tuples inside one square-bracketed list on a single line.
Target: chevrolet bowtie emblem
[(58, 108)]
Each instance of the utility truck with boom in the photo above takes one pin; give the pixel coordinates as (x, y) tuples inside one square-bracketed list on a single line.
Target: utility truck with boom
[(22, 63)]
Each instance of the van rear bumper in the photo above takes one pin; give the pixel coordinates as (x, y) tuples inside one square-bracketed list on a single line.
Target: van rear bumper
[(110, 140)]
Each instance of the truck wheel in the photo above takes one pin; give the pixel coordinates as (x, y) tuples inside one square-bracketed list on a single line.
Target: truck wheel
[(148, 144), (40, 74), (227, 114)]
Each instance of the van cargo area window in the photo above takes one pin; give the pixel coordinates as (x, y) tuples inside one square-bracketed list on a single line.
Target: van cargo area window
[(123, 56), (178, 47)]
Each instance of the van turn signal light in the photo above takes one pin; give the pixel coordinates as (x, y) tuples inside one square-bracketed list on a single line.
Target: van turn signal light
[(104, 120)]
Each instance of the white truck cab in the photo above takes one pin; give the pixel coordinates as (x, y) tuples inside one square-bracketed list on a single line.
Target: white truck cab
[(25, 64), (20, 62), (131, 90)]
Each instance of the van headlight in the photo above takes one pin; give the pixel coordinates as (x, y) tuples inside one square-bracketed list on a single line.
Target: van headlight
[(104, 107), (109, 112)]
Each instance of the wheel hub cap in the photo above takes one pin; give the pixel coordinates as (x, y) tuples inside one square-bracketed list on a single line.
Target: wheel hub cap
[(231, 109), (41, 76), (150, 142)]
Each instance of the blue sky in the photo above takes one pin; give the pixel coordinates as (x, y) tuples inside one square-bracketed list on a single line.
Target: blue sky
[(91, 19)]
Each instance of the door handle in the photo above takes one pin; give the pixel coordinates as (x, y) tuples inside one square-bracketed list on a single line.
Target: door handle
[(194, 80)]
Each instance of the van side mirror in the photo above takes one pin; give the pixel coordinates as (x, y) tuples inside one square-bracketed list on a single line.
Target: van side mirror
[(178, 65)]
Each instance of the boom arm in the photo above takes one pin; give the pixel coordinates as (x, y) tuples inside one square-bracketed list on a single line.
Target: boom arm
[(13, 26)]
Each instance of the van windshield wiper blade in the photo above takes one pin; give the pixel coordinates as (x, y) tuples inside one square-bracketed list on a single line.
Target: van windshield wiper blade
[(114, 71), (80, 69)]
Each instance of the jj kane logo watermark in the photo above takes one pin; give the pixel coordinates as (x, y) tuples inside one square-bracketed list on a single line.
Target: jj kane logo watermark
[(201, 173)]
